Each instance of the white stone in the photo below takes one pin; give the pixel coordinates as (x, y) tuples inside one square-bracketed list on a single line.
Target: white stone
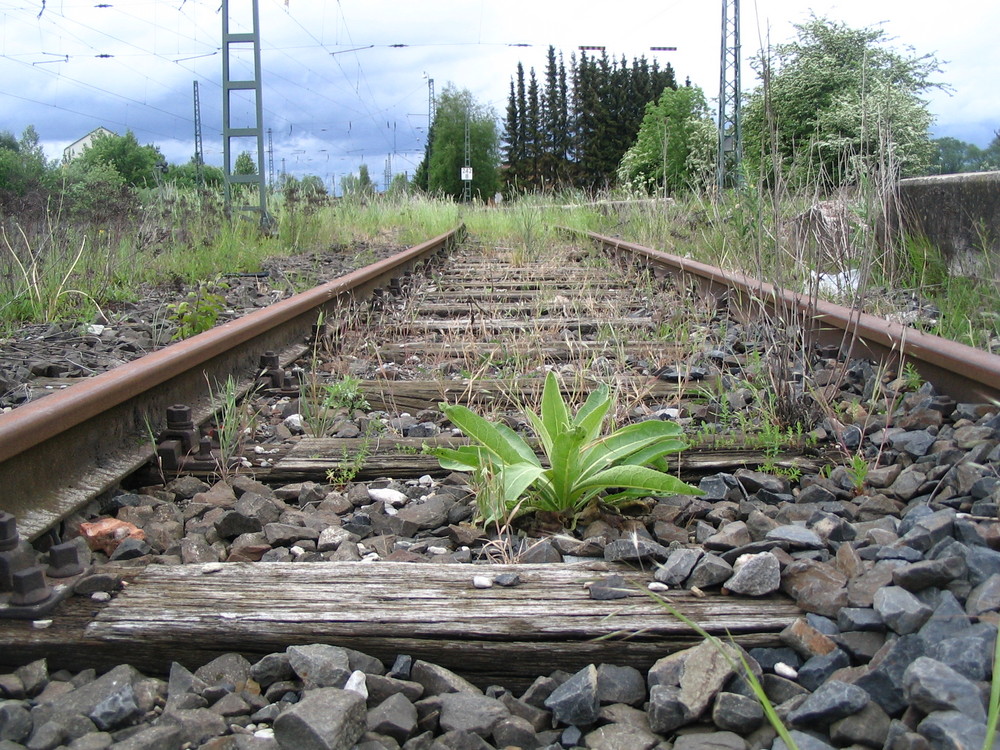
[(657, 586), (482, 582), (437, 551), (96, 329), (101, 596), (356, 683), (785, 670), (388, 496)]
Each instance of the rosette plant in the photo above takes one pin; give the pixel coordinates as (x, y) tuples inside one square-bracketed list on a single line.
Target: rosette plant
[(582, 467)]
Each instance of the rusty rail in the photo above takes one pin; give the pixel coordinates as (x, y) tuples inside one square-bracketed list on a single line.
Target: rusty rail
[(960, 371), (59, 453)]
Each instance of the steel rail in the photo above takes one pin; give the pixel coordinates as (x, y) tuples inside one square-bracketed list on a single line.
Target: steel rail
[(59, 453), (962, 372)]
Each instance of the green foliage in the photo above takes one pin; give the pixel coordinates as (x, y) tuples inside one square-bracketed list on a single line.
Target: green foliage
[(446, 157), (837, 103), (245, 164), (954, 156), (198, 312), (345, 393), (359, 186), (675, 148), (23, 166), (135, 164), (583, 467), (185, 176)]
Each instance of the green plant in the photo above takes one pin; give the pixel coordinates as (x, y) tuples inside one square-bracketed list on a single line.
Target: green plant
[(857, 470), (198, 312), (582, 465), (233, 420), (345, 393), (350, 465)]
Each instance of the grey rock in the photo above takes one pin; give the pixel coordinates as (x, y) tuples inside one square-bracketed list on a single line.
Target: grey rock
[(538, 718), (737, 713), (831, 701), (755, 575), (803, 741), (320, 665), (817, 669), (381, 687), (795, 537), (947, 621), (985, 597), (576, 700), (953, 730), (982, 562), (513, 731), (731, 535), (395, 716), (868, 727), (109, 701), (884, 682), (286, 535), (196, 725), (710, 741), (969, 654), (927, 573), (162, 737), (635, 549), (325, 719), (15, 721), (620, 737), (706, 671), (859, 618), (609, 588), (678, 566), (438, 680), (272, 668), (710, 570), (900, 610), (466, 712), (932, 686), (228, 669), (620, 685), (666, 710)]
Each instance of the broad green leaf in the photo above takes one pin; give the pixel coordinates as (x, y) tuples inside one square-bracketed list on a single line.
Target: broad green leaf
[(544, 437), (639, 478), (591, 414), (555, 415), (622, 443), (564, 464), (517, 442), (463, 458), (517, 478), (651, 454), (484, 432)]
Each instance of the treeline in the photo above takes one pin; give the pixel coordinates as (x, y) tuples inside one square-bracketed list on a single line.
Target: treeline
[(572, 127)]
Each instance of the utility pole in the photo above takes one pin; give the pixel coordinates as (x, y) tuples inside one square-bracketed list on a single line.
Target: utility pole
[(199, 154), (730, 154), (229, 132), (270, 159), (388, 171), (467, 169)]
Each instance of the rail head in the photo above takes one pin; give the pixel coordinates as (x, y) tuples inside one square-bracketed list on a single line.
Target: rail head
[(962, 372)]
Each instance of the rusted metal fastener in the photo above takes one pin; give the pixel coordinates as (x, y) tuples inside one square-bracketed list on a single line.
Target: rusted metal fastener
[(64, 560), (8, 531), (180, 426), (30, 587)]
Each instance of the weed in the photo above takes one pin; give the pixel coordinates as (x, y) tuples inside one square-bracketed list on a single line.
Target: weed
[(582, 465), (233, 420), (857, 470), (198, 312)]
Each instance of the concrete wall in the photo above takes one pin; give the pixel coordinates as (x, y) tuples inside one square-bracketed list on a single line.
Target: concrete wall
[(960, 214)]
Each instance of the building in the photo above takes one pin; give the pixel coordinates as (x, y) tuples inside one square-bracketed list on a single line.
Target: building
[(76, 148)]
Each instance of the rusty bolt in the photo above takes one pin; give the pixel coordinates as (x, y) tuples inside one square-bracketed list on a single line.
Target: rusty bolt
[(64, 560), (30, 587), (8, 531), (179, 417), (269, 360)]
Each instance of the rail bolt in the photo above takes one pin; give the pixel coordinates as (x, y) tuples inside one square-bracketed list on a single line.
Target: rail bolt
[(8, 531), (64, 560), (179, 417), (269, 360), (30, 587)]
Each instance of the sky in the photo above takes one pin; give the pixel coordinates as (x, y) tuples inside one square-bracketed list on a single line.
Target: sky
[(346, 83)]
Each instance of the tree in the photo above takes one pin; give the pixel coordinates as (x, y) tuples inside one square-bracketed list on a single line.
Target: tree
[(447, 151), (953, 156), (838, 103), (674, 150), (991, 156), (186, 175), (359, 186), (137, 165), (245, 164), (23, 167)]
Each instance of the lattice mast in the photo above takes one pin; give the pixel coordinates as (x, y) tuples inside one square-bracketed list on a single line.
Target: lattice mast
[(255, 131), (730, 154)]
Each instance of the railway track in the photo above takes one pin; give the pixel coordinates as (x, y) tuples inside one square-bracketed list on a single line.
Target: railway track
[(448, 322)]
